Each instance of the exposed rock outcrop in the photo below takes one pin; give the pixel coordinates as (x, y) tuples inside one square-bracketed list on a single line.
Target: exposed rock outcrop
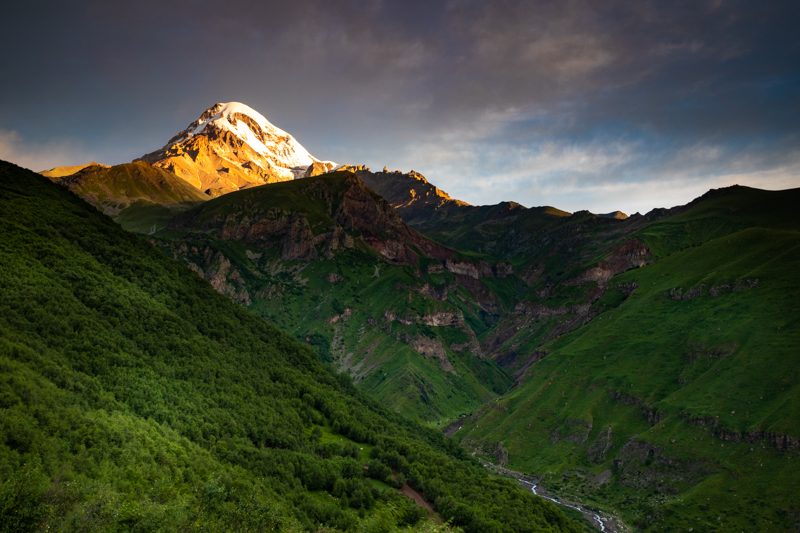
[(317, 168), (353, 214), (217, 270), (432, 348), (642, 465), (781, 442), (681, 294), (443, 318), (599, 449), (409, 192), (633, 253)]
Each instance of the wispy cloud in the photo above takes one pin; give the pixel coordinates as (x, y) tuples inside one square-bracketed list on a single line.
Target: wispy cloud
[(482, 166), (42, 155)]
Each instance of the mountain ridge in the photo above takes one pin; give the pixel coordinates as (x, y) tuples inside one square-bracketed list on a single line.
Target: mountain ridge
[(137, 195), (68, 170)]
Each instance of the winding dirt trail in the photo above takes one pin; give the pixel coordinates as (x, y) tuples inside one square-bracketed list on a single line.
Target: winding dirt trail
[(419, 500)]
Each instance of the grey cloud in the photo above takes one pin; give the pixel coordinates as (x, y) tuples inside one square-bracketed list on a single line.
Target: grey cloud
[(458, 88)]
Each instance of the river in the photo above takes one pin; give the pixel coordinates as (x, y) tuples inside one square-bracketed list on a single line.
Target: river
[(602, 521)]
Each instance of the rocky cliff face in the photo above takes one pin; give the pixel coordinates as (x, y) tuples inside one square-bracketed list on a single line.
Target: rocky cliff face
[(410, 193), (358, 218), (340, 213), (230, 147), (632, 253)]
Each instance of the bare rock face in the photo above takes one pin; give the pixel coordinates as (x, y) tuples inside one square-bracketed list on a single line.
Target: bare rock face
[(631, 254), (642, 465), (342, 214), (475, 270), (298, 243), (317, 168), (443, 318), (778, 441), (217, 270), (361, 211), (230, 147), (678, 294), (599, 449), (408, 192), (681, 294), (463, 268), (437, 319), (432, 348), (436, 293), (393, 251), (344, 315), (501, 455)]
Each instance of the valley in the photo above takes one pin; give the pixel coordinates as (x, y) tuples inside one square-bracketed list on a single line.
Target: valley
[(396, 266), (645, 366)]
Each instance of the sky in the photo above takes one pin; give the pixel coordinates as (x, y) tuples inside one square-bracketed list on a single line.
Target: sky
[(598, 105)]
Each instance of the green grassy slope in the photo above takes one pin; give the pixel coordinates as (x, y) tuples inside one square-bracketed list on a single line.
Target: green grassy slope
[(379, 354), (720, 212), (368, 315), (134, 397), (551, 254), (138, 196), (679, 406), (295, 195)]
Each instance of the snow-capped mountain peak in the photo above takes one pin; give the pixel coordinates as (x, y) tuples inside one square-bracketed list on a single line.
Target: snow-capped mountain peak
[(253, 128), (231, 146)]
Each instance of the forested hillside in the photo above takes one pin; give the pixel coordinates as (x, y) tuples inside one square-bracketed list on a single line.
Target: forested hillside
[(133, 396), (678, 406)]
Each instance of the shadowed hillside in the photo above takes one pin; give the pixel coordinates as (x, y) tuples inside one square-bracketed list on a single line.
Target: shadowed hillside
[(678, 406)]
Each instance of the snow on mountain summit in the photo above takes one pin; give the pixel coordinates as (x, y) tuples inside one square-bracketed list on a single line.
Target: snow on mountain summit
[(253, 128), (231, 146)]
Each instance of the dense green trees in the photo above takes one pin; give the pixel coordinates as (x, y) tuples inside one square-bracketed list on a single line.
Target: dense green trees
[(132, 396)]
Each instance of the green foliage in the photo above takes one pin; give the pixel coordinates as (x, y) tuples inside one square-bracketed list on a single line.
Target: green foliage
[(341, 302), (678, 405), (134, 397)]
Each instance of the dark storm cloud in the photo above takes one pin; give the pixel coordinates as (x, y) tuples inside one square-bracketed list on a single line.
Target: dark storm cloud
[(565, 102)]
